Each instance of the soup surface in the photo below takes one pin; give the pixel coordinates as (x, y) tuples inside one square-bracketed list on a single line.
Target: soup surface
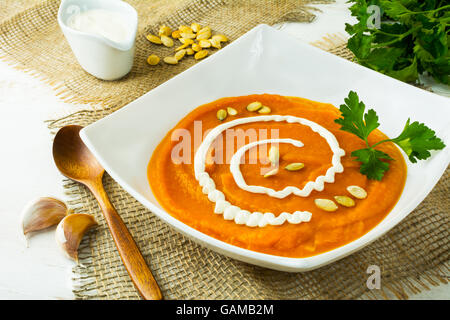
[(174, 184)]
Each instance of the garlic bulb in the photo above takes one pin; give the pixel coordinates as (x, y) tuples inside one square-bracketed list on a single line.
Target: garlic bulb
[(42, 213), (70, 232)]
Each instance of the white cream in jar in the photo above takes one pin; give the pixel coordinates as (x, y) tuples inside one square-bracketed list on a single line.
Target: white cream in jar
[(109, 24)]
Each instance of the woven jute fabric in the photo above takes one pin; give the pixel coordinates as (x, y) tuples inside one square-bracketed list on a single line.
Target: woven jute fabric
[(413, 256)]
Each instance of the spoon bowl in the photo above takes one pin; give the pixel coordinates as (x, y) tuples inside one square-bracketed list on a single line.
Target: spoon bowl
[(74, 160)]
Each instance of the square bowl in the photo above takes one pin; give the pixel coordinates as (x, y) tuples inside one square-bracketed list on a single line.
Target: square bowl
[(265, 60)]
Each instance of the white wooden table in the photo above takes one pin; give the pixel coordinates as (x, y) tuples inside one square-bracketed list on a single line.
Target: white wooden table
[(27, 171)]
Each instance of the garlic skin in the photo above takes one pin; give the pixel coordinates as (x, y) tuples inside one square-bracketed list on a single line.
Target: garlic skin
[(70, 232), (42, 213)]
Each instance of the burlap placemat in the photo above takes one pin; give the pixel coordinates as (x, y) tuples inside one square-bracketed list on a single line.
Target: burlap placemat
[(413, 256)]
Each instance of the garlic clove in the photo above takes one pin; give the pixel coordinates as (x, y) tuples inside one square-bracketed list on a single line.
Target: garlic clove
[(42, 213), (70, 232)]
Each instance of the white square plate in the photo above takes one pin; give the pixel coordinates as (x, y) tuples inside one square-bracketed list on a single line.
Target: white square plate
[(267, 61)]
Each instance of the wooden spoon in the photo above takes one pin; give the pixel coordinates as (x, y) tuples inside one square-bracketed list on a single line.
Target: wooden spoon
[(76, 162)]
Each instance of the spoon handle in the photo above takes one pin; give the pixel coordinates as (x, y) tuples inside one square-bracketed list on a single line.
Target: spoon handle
[(129, 252)]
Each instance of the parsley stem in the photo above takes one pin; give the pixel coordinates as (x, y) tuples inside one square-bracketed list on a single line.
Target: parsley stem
[(388, 34), (380, 142), (385, 44), (428, 11), (399, 38)]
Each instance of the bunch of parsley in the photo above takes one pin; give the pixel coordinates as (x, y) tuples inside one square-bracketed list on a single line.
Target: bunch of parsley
[(412, 37), (416, 139)]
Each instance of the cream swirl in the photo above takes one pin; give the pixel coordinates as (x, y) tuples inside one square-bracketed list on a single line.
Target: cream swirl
[(231, 212), (239, 179)]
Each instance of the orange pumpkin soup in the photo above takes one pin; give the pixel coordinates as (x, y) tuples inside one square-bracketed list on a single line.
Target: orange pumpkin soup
[(176, 188)]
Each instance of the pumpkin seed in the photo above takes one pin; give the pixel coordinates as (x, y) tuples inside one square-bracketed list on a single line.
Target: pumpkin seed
[(295, 166), (326, 204), (195, 27), (254, 106), (180, 54), (204, 43), (170, 60), (204, 35), (215, 43), (183, 46), (220, 37), (221, 114), (264, 110), (154, 39), (232, 111), (185, 29), (357, 192), (204, 29), (164, 31), (345, 201), (271, 173), (196, 47), (186, 41), (187, 35), (176, 34), (274, 155), (201, 54), (153, 59), (168, 42)]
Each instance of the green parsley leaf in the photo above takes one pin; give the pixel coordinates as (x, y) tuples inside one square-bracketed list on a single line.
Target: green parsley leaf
[(381, 59), (371, 164), (396, 10), (360, 44), (354, 120), (407, 74), (416, 139)]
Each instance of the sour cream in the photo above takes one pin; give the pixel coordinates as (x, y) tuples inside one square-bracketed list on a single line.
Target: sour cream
[(109, 24), (258, 219)]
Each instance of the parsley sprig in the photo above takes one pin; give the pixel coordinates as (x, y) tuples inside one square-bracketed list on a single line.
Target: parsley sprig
[(416, 139), (412, 38)]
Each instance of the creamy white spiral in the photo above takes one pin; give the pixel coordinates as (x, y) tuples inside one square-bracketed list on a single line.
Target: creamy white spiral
[(253, 219)]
